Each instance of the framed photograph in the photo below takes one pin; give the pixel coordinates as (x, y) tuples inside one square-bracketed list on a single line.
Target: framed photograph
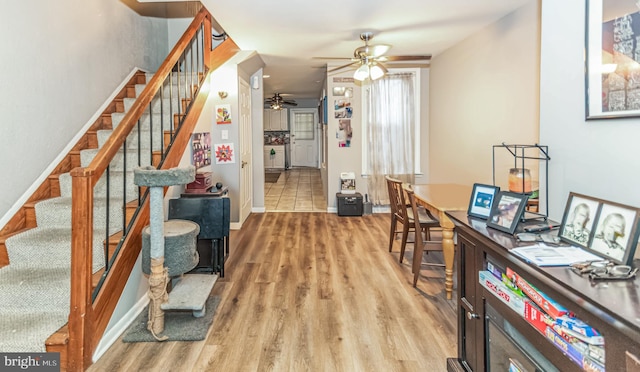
[(612, 52), (506, 211), (616, 233), (481, 201), (578, 219)]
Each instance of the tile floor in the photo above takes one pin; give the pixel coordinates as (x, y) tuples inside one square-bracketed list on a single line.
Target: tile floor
[(297, 190)]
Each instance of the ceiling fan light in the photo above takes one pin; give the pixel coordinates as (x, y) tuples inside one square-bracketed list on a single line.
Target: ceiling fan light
[(377, 71), (362, 73)]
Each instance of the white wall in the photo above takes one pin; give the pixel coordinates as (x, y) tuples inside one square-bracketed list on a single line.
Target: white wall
[(244, 64), (597, 158), (349, 159), (60, 61), (484, 91)]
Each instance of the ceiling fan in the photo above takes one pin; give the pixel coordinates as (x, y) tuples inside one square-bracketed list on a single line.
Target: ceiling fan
[(371, 60), (277, 102)]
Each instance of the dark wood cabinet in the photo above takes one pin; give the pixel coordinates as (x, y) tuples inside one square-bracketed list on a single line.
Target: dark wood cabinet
[(212, 214), (494, 334)]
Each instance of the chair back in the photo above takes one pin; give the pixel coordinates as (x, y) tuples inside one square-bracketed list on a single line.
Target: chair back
[(416, 221), (396, 198)]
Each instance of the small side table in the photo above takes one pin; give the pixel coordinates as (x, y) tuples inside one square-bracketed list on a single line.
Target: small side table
[(212, 213)]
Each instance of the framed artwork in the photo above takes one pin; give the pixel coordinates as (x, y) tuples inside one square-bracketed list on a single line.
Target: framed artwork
[(224, 153), (612, 53), (223, 114), (201, 149), (578, 219), (616, 233), (482, 197), (506, 211)]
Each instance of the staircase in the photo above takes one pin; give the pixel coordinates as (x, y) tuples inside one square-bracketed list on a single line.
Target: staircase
[(66, 255), (36, 285)]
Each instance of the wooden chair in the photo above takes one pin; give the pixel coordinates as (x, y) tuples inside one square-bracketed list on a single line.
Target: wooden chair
[(404, 213), (421, 246)]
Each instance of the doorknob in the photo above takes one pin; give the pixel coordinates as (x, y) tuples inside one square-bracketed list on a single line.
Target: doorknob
[(243, 164)]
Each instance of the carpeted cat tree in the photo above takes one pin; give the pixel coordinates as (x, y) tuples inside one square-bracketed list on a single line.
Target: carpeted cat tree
[(169, 250)]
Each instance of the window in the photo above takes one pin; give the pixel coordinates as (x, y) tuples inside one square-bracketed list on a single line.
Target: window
[(391, 124), (303, 125)]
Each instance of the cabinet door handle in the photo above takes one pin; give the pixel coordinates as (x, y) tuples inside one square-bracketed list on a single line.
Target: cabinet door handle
[(471, 315)]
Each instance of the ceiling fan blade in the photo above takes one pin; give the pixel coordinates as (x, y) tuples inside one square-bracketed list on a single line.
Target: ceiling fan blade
[(407, 65), (336, 58), (372, 51), (405, 58), (343, 66), (290, 103)]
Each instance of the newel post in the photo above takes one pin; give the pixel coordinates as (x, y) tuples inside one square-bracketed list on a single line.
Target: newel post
[(79, 350)]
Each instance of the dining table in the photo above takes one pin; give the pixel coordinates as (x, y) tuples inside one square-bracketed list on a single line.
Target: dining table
[(439, 198)]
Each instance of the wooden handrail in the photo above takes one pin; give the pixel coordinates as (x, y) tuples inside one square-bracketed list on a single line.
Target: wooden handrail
[(87, 320), (114, 143)]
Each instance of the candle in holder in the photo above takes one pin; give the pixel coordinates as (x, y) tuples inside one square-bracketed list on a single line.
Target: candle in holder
[(519, 180)]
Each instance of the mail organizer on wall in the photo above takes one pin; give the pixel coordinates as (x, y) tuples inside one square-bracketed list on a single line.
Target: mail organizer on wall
[(213, 215)]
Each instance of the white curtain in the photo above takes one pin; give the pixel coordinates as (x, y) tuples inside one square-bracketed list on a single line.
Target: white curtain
[(390, 133)]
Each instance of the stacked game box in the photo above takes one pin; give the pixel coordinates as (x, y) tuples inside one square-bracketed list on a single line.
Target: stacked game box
[(581, 343)]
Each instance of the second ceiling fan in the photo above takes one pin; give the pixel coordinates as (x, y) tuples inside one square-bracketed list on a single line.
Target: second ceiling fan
[(277, 102), (370, 59)]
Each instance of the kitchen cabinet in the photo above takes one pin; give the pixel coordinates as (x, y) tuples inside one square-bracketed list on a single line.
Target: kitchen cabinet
[(275, 160), (513, 315), (276, 120)]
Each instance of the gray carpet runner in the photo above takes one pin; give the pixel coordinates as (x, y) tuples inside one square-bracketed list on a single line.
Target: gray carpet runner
[(34, 299)]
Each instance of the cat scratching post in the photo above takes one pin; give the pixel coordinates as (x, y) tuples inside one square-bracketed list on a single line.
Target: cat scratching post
[(156, 180)]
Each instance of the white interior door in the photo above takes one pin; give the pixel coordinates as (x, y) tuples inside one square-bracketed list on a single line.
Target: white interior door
[(304, 138), (246, 181)]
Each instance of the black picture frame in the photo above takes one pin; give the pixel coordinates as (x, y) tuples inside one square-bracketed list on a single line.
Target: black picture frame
[(506, 211), (579, 219), (610, 73), (616, 232), (482, 197)]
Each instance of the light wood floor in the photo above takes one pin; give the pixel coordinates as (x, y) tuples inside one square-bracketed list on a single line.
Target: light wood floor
[(312, 292), (297, 190)]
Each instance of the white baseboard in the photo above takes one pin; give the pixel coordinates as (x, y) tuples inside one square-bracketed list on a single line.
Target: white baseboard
[(381, 209), (112, 335), (258, 210)]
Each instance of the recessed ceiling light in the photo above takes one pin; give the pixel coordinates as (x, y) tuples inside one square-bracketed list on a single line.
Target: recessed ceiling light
[(266, 76)]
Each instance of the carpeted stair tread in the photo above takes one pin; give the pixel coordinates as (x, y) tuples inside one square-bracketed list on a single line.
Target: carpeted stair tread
[(146, 120), (86, 156), (28, 331), (157, 103), (56, 212), (48, 247), (45, 292), (115, 180), (132, 140), (18, 291)]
